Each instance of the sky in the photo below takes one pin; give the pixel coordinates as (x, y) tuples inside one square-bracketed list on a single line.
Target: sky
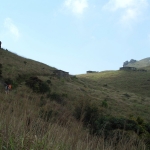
[(77, 35)]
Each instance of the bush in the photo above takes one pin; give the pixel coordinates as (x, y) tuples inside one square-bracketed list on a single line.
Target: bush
[(110, 124), (64, 95), (8, 81), (25, 62), (140, 121), (91, 114), (42, 101), (99, 124), (49, 81), (21, 78), (43, 87), (56, 97), (37, 85), (87, 112)]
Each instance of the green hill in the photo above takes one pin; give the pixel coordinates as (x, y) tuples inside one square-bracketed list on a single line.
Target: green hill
[(141, 63), (14, 65), (123, 90), (44, 111)]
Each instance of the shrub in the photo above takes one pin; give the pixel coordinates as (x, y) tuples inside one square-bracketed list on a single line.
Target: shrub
[(99, 124), (64, 95), (86, 112), (147, 127), (56, 97), (49, 81), (21, 78), (8, 81), (139, 120), (110, 124), (42, 101), (37, 85), (25, 62), (91, 114), (43, 87)]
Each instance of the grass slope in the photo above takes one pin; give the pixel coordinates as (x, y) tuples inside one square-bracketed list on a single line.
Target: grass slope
[(14, 65), (123, 90)]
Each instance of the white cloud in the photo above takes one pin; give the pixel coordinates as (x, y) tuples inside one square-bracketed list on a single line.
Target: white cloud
[(131, 8), (76, 6), (12, 29)]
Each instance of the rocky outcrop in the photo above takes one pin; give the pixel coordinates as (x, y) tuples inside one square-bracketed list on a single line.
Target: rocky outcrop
[(132, 61), (127, 62)]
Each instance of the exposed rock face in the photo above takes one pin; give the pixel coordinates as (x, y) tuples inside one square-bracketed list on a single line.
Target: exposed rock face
[(132, 61), (127, 62)]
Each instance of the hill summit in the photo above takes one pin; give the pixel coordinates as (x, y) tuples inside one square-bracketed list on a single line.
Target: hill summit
[(137, 64)]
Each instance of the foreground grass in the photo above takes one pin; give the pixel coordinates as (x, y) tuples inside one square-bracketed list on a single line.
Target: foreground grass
[(21, 128)]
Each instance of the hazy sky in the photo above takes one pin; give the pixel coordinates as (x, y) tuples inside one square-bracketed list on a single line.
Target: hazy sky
[(77, 35)]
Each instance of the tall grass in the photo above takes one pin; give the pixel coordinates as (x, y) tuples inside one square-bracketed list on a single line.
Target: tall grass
[(22, 129)]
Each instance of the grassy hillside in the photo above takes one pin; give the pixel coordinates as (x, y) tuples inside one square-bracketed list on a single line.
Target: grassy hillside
[(14, 65), (123, 91), (141, 64), (75, 113)]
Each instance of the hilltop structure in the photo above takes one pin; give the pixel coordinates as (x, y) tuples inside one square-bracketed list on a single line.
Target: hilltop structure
[(92, 72), (132, 69), (128, 68), (60, 74)]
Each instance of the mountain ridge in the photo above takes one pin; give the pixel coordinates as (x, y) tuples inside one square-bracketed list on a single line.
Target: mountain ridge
[(143, 63)]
